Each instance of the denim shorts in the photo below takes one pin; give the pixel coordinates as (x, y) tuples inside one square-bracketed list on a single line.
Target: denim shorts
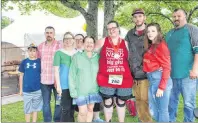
[(121, 93), (33, 101), (197, 84), (84, 100)]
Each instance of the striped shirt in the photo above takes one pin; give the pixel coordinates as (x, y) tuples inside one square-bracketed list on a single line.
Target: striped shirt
[(46, 53)]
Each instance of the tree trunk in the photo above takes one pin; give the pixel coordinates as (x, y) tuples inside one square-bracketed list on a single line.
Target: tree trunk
[(91, 15), (109, 13), (92, 19)]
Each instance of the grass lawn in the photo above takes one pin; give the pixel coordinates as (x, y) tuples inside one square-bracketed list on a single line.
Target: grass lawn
[(14, 113)]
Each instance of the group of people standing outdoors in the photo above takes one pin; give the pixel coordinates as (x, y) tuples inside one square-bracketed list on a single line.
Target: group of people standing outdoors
[(85, 72)]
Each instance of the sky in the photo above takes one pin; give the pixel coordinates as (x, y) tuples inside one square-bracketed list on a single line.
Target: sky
[(15, 13)]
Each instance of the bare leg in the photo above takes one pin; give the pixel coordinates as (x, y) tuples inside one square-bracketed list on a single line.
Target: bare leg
[(120, 111), (108, 111), (27, 117), (96, 115), (34, 116), (82, 115), (90, 112)]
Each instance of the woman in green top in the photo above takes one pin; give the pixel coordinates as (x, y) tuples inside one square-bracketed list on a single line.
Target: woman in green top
[(83, 86), (62, 61)]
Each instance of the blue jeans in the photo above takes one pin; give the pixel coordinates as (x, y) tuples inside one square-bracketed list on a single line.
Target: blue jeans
[(46, 93), (187, 88), (197, 84), (158, 105)]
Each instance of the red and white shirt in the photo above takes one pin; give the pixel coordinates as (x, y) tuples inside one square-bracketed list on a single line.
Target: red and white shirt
[(46, 54), (110, 65)]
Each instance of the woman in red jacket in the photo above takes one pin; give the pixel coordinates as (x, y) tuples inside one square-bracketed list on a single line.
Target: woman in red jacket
[(156, 63)]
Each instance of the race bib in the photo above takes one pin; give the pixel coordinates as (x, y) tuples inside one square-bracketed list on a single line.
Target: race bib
[(115, 79)]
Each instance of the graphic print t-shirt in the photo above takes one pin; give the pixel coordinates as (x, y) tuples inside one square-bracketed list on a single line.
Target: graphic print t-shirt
[(32, 74)]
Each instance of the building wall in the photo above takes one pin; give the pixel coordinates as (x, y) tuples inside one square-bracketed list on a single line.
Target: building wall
[(10, 55)]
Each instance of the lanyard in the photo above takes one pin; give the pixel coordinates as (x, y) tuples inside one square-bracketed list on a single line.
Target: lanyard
[(115, 47)]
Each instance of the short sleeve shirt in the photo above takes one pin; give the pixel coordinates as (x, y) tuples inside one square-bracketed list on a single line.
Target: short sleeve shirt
[(32, 77), (62, 59)]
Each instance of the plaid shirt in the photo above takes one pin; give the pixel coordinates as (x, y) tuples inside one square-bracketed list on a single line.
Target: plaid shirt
[(46, 53)]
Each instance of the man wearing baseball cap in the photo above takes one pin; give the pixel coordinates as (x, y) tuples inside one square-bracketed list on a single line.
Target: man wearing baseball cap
[(135, 39)]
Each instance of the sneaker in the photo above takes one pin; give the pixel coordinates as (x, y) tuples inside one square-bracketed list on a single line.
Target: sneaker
[(196, 113), (98, 120)]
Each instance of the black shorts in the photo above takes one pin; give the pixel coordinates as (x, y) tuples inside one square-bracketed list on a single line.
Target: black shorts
[(95, 109)]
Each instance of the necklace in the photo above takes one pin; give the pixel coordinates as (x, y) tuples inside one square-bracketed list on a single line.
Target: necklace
[(115, 48)]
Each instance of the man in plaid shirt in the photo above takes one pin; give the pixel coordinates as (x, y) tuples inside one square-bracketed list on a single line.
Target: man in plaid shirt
[(46, 51)]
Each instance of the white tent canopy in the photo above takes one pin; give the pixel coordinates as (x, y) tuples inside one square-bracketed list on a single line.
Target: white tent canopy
[(35, 25), (27, 29)]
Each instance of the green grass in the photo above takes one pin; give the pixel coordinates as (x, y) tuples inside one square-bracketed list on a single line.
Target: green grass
[(14, 113)]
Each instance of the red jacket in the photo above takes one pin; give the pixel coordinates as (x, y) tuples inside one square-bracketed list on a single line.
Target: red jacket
[(158, 58)]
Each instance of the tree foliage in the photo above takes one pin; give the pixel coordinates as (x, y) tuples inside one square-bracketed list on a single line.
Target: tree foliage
[(59, 9), (156, 11), (54, 7), (5, 21)]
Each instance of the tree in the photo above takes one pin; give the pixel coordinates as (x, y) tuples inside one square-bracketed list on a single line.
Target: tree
[(5, 22), (157, 11), (110, 7), (117, 10), (90, 15), (62, 7)]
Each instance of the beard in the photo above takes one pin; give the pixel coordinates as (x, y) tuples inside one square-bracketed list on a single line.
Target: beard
[(176, 23), (49, 38), (139, 25)]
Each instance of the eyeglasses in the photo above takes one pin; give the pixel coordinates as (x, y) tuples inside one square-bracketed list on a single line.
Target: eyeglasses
[(79, 39), (112, 28), (68, 38)]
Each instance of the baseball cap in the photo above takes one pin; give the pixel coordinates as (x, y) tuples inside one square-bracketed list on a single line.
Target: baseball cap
[(138, 11), (32, 45)]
